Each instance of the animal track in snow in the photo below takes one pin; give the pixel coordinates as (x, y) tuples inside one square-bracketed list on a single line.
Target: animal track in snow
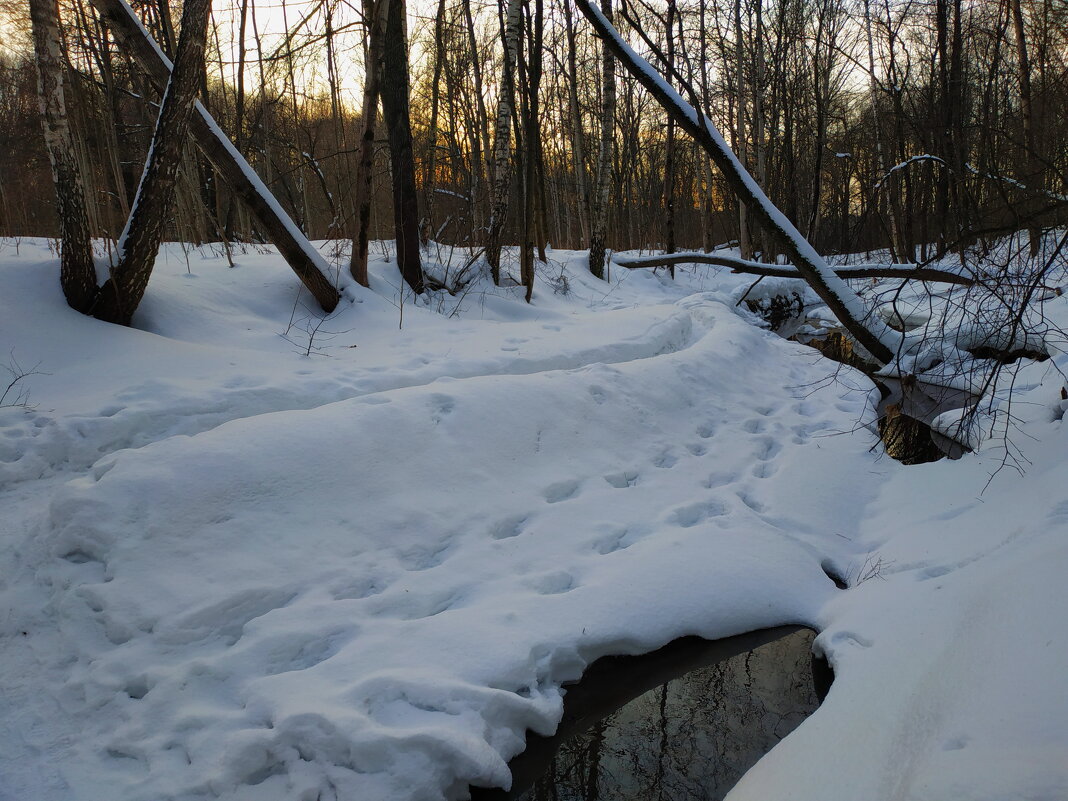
[(425, 557), (755, 425), (697, 449), (358, 589), (767, 448), (554, 583), (508, 527), (706, 430), (226, 618), (665, 460), (441, 406), (560, 491), (691, 515), (751, 503), (715, 480), (936, 571), (764, 470), (622, 480)]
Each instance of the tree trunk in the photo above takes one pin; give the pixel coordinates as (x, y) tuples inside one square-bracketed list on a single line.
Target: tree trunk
[(1032, 177), (77, 275), (531, 137), (120, 295), (502, 147), (299, 253), (578, 150), (669, 146), (599, 213), (395, 111), (375, 12), (745, 243)]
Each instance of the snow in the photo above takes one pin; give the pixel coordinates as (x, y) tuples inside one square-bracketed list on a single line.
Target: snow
[(230, 570)]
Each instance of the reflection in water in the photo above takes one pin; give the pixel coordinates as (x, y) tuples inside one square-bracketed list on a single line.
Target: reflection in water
[(691, 738)]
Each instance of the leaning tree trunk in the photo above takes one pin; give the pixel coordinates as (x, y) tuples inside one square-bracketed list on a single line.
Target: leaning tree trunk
[(120, 295), (395, 110), (77, 275), (375, 12), (502, 145), (299, 253), (599, 213)]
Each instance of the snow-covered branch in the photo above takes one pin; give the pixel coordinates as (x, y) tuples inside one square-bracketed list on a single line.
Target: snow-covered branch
[(738, 265)]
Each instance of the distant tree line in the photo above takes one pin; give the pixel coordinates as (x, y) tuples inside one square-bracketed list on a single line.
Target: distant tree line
[(919, 127)]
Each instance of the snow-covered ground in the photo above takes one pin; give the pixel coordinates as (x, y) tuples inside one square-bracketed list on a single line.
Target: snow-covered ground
[(230, 569)]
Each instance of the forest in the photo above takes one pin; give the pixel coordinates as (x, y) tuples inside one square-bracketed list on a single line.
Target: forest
[(919, 128), (433, 400)]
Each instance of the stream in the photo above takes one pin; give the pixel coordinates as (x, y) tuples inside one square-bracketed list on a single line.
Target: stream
[(681, 723)]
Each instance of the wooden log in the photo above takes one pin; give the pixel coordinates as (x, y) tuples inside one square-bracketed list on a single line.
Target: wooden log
[(905, 271)]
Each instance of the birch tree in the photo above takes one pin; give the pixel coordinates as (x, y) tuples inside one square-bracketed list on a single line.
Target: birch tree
[(502, 143), (77, 274)]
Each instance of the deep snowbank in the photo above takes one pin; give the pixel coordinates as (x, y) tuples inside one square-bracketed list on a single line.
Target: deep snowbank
[(231, 570)]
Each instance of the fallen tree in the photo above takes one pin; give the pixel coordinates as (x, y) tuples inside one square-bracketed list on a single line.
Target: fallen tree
[(309, 265), (738, 265)]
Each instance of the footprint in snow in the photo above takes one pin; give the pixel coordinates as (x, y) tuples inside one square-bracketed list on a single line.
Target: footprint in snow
[(554, 583), (560, 491), (441, 406), (508, 527), (665, 460), (689, 516), (764, 470), (756, 425), (622, 480)]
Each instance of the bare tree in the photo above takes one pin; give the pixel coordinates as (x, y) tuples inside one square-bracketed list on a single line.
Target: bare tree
[(599, 212), (502, 143), (395, 111), (375, 13)]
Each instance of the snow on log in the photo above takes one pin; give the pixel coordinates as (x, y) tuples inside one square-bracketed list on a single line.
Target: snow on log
[(906, 271)]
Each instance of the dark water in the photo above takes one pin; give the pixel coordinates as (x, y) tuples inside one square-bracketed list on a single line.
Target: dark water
[(683, 723)]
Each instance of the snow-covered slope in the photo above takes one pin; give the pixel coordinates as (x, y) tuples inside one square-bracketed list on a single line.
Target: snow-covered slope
[(230, 569)]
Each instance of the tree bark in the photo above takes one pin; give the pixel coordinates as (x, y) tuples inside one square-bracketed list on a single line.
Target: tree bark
[(395, 111), (77, 275), (599, 213)]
